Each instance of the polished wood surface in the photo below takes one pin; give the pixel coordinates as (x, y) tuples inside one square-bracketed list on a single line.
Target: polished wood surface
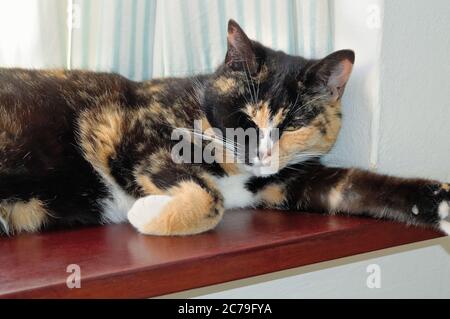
[(116, 261)]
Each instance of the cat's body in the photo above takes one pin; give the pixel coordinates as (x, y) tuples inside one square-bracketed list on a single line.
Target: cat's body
[(86, 148)]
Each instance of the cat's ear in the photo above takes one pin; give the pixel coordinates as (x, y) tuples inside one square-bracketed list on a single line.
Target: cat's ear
[(240, 53), (333, 71)]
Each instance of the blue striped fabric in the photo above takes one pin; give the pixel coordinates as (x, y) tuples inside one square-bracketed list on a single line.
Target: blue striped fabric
[(117, 22), (143, 39)]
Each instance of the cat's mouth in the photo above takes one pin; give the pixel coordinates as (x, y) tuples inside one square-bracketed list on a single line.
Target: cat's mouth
[(273, 164), (263, 171), (262, 168)]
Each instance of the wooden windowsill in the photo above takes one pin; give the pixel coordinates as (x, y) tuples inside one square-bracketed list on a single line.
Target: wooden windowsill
[(116, 261)]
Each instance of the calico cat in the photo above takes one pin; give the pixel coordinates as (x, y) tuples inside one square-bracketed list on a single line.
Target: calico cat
[(80, 147)]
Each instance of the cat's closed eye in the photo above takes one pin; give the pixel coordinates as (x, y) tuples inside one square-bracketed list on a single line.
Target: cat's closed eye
[(290, 128)]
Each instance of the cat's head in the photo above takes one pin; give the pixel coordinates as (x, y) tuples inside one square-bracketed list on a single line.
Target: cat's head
[(274, 94)]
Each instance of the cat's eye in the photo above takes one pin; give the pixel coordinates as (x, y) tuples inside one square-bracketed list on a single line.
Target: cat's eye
[(289, 129)]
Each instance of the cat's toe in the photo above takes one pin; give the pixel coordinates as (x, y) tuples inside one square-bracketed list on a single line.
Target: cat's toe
[(431, 204), (441, 196), (444, 226), (445, 187), (443, 209), (147, 209)]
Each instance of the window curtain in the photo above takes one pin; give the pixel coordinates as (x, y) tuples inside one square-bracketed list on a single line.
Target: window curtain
[(33, 33), (144, 39)]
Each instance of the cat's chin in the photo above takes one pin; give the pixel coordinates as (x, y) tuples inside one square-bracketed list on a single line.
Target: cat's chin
[(261, 171)]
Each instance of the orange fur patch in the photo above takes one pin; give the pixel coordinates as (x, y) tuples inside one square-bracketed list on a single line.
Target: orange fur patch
[(279, 117), (311, 138), (147, 186), (259, 114), (60, 74), (273, 195), (299, 140), (225, 85), (335, 196), (26, 216), (100, 133), (155, 88), (192, 210)]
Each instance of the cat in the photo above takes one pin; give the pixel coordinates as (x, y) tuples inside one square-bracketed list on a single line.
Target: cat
[(80, 147)]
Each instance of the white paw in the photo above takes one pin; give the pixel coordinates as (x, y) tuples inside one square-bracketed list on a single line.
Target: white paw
[(146, 209), (445, 227), (443, 209)]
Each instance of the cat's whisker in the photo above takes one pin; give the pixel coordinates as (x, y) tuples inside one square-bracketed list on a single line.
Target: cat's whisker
[(248, 81), (257, 92), (253, 85), (296, 100), (295, 169), (232, 113), (211, 138), (231, 147), (207, 137), (304, 107), (224, 140)]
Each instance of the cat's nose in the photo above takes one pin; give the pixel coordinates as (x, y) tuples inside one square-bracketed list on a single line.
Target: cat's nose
[(264, 155), (265, 145)]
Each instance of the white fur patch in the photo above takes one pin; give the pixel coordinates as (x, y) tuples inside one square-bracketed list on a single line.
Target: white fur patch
[(334, 199), (5, 225), (415, 210), (234, 192), (445, 227), (116, 207), (443, 209), (146, 209), (266, 141), (265, 164)]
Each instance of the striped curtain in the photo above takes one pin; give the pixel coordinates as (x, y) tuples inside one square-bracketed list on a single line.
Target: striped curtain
[(143, 39), (115, 35)]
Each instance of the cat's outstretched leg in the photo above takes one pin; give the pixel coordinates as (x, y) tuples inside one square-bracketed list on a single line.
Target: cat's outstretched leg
[(358, 192), (190, 206)]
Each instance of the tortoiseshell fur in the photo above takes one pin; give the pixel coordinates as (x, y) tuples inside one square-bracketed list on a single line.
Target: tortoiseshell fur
[(79, 147)]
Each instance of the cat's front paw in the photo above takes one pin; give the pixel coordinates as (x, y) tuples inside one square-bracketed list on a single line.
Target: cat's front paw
[(442, 192), (432, 206), (444, 208), (147, 209)]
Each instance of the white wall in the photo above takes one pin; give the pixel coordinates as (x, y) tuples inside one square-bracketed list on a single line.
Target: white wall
[(358, 26), (415, 89), (397, 103)]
